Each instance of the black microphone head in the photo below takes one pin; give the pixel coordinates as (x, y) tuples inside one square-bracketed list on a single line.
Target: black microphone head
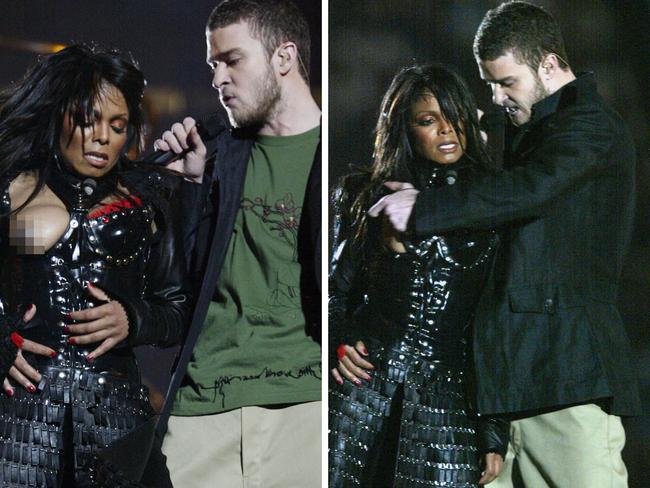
[(451, 176), (88, 186), (211, 127)]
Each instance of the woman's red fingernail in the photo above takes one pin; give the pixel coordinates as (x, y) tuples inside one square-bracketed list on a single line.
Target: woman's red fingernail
[(31, 388), (72, 340), (340, 351), (364, 351), (89, 358), (9, 392), (339, 381), (90, 285), (53, 354), (357, 382), (66, 329), (31, 307), (17, 339)]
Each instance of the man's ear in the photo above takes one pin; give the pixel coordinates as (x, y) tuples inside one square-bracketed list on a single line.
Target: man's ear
[(287, 57), (549, 67)]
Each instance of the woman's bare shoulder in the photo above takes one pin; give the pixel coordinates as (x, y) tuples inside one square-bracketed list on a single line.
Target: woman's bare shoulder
[(21, 187)]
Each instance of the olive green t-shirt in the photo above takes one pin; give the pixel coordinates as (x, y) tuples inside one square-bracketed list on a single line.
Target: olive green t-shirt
[(253, 348)]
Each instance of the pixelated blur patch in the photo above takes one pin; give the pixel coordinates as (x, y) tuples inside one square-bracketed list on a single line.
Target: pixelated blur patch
[(27, 234)]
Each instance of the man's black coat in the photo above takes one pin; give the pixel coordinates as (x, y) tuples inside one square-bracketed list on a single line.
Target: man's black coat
[(547, 330), (210, 210)]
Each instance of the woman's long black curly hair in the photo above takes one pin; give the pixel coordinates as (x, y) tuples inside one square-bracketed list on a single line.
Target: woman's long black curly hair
[(393, 156), (69, 82)]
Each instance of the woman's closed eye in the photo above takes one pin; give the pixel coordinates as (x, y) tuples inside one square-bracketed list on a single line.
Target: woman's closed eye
[(118, 129), (426, 121)]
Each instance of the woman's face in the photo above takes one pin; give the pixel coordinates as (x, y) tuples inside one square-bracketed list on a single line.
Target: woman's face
[(95, 148), (433, 138)]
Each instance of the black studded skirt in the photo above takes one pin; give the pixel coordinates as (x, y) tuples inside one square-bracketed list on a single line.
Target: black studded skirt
[(51, 438), (409, 426)]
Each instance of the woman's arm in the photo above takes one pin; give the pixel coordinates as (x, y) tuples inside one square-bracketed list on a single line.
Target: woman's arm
[(159, 318), (12, 363)]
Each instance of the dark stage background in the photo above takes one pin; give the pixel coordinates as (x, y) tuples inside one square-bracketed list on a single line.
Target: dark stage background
[(166, 37), (370, 40)]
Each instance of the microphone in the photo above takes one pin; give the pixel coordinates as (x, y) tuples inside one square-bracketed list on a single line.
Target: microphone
[(451, 176), (208, 129), (88, 186)]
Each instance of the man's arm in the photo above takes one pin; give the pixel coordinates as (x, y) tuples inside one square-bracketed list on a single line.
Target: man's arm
[(569, 156), (184, 140)]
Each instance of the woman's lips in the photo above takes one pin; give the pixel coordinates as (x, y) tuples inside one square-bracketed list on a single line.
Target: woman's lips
[(448, 147), (98, 160)]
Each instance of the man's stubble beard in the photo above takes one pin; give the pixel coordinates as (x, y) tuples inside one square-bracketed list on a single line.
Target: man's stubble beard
[(263, 107), (540, 92)]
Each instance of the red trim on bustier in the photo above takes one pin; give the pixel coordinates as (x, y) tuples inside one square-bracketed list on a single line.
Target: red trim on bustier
[(112, 207)]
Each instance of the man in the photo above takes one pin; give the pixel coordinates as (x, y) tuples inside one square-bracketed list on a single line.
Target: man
[(550, 346), (248, 412)]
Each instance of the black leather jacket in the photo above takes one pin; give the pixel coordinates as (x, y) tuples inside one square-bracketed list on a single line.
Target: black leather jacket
[(549, 333)]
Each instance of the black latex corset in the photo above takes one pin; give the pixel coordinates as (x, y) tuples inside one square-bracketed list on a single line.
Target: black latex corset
[(419, 304), (109, 250), (411, 422)]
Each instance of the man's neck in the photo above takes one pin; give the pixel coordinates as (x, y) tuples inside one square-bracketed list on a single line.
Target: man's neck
[(296, 112)]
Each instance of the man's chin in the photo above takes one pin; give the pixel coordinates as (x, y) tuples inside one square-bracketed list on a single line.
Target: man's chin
[(232, 118), (244, 122), (519, 119)]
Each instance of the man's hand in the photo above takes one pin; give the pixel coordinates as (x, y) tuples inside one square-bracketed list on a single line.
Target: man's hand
[(351, 364), (181, 138), (397, 206), (493, 463)]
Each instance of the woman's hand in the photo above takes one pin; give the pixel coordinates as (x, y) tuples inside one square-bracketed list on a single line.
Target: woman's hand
[(106, 323), (351, 364), (492, 468), (22, 372)]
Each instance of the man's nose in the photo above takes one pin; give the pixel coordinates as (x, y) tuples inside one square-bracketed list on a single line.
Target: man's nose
[(219, 76), (498, 95)]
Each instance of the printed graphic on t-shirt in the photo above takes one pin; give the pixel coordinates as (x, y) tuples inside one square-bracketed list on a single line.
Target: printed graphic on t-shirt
[(282, 218)]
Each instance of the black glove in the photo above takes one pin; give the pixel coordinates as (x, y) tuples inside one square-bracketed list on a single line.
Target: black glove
[(9, 338)]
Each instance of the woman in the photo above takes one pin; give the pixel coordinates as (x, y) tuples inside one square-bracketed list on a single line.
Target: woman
[(401, 307), (88, 237)]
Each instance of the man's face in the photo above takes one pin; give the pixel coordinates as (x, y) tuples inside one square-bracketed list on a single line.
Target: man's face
[(243, 75), (514, 86)]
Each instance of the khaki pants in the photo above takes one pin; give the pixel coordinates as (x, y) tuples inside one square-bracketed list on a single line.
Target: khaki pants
[(577, 447), (249, 447)]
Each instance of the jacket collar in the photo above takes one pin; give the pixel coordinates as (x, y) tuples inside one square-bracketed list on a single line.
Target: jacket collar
[(582, 88)]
